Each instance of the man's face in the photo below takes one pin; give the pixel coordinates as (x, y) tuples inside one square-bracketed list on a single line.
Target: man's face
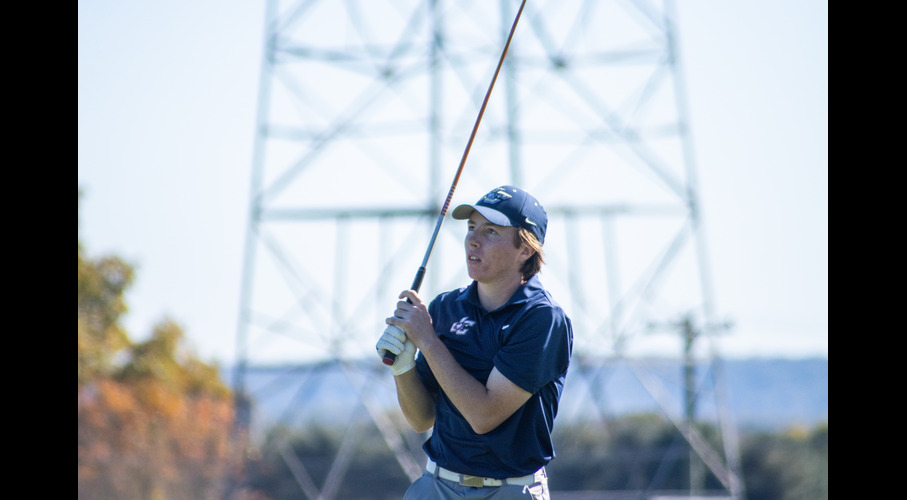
[(490, 254)]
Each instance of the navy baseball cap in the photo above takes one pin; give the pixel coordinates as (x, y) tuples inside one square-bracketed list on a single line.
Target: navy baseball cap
[(509, 206)]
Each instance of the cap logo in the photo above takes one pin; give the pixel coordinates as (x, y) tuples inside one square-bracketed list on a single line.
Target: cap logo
[(496, 196)]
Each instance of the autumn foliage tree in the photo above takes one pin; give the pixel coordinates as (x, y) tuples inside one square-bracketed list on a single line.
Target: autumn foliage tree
[(154, 421)]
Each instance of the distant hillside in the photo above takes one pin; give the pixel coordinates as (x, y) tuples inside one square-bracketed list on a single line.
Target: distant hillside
[(769, 394), (757, 393), (777, 392)]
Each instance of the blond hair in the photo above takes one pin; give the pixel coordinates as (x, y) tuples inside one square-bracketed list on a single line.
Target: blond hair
[(533, 264)]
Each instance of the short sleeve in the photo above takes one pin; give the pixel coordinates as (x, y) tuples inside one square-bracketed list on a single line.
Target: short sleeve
[(536, 349)]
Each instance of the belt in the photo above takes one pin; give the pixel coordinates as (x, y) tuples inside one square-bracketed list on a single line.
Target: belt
[(477, 481)]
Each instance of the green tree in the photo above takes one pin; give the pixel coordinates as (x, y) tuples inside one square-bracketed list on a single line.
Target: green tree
[(101, 338), (637, 452), (792, 465), (311, 452)]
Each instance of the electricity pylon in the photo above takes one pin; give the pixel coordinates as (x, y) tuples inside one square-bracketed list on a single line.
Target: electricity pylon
[(364, 110)]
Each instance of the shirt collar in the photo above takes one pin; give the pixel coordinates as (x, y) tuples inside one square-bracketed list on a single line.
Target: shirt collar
[(522, 294)]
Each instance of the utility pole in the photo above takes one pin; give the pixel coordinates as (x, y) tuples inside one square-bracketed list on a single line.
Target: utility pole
[(697, 473)]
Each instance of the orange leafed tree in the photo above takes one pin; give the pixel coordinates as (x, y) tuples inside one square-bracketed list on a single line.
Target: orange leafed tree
[(154, 421)]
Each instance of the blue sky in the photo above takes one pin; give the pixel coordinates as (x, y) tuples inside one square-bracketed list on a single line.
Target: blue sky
[(167, 101)]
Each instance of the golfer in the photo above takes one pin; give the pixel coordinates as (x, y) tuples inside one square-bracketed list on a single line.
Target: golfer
[(484, 366)]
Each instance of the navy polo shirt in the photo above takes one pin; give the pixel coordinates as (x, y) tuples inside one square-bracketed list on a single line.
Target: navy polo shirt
[(530, 340)]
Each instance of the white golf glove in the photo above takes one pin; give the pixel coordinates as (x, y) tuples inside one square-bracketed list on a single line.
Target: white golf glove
[(394, 341)]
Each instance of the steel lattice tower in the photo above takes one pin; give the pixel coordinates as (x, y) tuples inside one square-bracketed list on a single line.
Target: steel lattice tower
[(364, 110)]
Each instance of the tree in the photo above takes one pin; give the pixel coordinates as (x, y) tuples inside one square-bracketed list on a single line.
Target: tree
[(101, 339), (792, 465), (154, 421)]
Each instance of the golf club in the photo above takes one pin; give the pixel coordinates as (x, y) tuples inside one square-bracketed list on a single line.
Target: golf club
[(388, 358)]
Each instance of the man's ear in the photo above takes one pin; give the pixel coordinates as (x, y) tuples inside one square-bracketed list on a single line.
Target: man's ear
[(526, 253)]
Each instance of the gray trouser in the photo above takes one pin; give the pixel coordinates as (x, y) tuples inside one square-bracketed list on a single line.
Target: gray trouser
[(431, 487)]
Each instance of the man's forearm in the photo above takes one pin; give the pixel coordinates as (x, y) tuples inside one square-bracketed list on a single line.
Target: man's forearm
[(415, 401), (469, 395)]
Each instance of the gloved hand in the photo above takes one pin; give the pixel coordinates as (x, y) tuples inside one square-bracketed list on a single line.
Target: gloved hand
[(394, 340)]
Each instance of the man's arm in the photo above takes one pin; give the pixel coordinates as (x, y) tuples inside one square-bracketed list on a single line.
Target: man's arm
[(484, 406), (417, 403)]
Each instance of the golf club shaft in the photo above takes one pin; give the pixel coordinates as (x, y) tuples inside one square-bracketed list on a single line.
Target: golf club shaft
[(389, 357)]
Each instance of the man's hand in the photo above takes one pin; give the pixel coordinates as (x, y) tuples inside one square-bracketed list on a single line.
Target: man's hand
[(394, 340)]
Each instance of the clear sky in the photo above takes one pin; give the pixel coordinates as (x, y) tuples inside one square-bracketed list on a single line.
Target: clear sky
[(167, 101)]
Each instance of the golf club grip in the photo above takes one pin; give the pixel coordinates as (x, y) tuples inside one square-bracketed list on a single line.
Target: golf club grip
[(390, 357)]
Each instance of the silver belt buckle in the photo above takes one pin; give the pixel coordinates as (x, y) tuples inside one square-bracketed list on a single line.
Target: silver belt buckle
[(474, 481)]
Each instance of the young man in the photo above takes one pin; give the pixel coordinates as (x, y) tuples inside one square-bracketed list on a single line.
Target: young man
[(492, 360)]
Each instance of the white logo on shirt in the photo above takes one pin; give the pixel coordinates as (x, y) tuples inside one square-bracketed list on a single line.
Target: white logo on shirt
[(462, 326)]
